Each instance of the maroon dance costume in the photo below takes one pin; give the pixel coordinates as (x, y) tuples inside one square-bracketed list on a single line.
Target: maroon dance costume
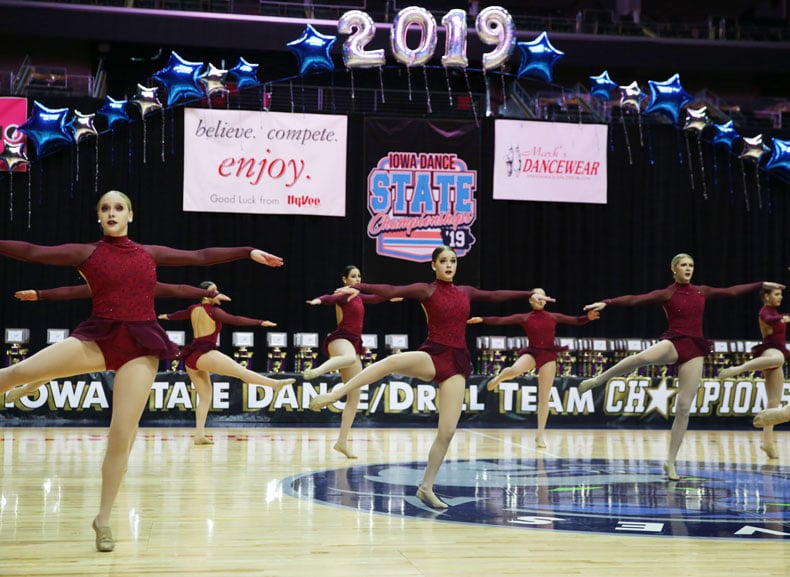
[(121, 275), (352, 315), (684, 305), (539, 327), (772, 319), (203, 344), (446, 308)]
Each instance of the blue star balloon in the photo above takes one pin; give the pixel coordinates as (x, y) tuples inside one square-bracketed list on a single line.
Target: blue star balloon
[(246, 74), (725, 134), (180, 78), (46, 128), (538, 58), (668, 97), (779, 162), (114, 112), (602, 86), (312, 51)]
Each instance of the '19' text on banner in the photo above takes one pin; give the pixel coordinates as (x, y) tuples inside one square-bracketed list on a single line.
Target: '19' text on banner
[(550, 162), (250, 161)]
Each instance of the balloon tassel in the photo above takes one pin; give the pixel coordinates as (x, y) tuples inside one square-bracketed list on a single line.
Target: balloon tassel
[(381, 83), (702, 168), (449, 90), (427, 89), (757, 182), (745, 191), (291, 91), (408, 76), (145, 140), (627, 140), (688, 154), (504, 93), (353, 93), (96, 169), (471, 99)]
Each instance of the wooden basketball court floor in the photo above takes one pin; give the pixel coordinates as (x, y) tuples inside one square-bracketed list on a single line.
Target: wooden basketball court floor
[(231, 508)]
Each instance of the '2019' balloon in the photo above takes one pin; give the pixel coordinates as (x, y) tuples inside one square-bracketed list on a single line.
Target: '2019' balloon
[(361, 28), (424, 20)]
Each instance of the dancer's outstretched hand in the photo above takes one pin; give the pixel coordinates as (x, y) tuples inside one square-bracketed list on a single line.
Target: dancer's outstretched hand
[(26, 295), (265, 258)]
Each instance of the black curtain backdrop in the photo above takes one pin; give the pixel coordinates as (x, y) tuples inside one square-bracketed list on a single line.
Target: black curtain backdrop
[(577, 252)]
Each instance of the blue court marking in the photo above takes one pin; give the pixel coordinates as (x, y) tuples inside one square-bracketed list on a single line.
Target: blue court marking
[(623, 497)]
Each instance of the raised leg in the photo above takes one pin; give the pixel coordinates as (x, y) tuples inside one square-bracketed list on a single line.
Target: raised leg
[(661, 353)]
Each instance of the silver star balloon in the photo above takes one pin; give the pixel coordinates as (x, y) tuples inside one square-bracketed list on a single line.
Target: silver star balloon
[(214, 80), (696, 119), (753, 148), (13, 155), (81, 126), (631, 96), (145, 99)]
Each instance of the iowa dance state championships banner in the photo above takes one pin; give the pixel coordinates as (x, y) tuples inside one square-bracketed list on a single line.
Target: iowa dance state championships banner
[(550, 161), (422, 179), (626, 402), (250, 161)]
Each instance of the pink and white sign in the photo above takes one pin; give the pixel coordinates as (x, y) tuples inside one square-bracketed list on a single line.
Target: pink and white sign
[(250, 161), (13, 113), (550, 161)]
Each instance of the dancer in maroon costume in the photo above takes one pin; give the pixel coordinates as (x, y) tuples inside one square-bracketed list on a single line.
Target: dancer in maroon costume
[(201, 356), (682, 344), (162, 290), (344, 345), (768, 357), (121, 335), (541, 354), (442, 358)]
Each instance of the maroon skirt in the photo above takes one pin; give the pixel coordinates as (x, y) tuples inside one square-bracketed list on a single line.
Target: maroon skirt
[(354, 339), (448, 361)]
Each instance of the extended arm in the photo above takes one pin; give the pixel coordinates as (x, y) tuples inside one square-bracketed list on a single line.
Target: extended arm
[(229, 319), (736, 290), (653, 297), (61, 255), (419, 291), (162, 290), (166, 256)]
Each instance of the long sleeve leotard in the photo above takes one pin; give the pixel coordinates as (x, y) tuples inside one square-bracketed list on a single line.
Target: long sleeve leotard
[(774, 332), (684, 305), (350, 317), (446, 307), (121, 275)]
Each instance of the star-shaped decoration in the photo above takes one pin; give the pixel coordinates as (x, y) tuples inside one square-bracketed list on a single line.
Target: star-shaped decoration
[(667, 97), (538, 58), (214, 80), (631, 97), (246, 73), (180, 78), (725, 134), (602, 86), (81, 126), (660, 398), (312, 50), (696, 119), (779, 161), (13, 155), (753, 148), (46, 128), (146, 101)]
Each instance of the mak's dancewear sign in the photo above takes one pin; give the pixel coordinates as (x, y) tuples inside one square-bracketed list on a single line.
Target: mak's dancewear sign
[(550, 161), (256, 162)]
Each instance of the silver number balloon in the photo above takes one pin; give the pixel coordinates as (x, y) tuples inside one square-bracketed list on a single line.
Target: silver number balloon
[(361, 29), (420, 17), (454, 23), (495, 27)]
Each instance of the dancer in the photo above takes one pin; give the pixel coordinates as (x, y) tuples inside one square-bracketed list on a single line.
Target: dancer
[(343, 346), (541, 353), (442, 358), (771, 417), (162, 290), (682, 344), (768, 357), (122, 334), (201, 356)]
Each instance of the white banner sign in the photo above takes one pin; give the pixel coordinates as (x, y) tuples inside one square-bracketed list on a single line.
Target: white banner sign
[(550, 161), (264, 162)]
